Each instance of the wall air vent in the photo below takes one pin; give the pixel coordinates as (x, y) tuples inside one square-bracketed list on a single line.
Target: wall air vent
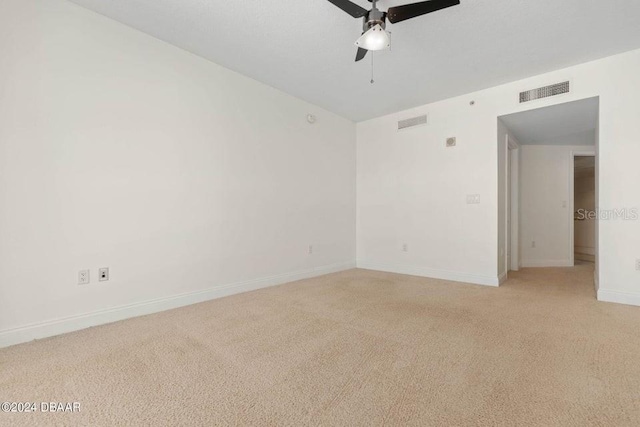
[(412, 122), (545, 92)]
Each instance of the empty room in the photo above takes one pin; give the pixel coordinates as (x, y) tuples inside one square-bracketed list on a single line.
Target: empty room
[(319, 212)]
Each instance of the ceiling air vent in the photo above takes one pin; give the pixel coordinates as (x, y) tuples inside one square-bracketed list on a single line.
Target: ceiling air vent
[(544, 92), (412, 122)]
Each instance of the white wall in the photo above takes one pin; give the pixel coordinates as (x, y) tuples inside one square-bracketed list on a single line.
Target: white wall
[(411, 188), (545, 206), (118, 150)]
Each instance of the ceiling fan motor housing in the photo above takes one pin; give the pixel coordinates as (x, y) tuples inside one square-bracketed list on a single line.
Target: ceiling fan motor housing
[(373, 18)]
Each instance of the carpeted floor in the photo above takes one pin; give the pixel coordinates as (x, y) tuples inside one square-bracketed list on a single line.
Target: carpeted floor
[(352, 348)]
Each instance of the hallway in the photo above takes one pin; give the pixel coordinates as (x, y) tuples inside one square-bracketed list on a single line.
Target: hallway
[(574, 283)]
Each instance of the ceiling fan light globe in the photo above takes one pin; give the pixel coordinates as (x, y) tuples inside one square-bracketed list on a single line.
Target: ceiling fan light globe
[(376, 38)]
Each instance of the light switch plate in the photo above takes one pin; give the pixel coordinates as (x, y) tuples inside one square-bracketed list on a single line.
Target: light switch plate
[(473, 199)]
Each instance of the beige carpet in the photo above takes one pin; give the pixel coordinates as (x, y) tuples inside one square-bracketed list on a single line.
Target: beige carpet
[(353, 348)]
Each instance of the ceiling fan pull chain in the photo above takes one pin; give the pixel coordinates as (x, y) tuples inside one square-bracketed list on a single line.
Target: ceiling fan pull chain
[(372, 55)]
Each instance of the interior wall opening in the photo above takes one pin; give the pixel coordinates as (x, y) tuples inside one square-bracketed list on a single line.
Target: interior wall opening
[(584, 208), (547, 159)]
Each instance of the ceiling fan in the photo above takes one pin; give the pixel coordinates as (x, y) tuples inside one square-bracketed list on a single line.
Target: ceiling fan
[(374, 34)]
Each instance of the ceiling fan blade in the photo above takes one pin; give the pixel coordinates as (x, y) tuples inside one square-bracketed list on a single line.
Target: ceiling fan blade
[(351, 8), (361, 54), (408, 11)]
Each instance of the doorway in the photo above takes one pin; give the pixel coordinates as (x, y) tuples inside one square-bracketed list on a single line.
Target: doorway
[(547, 160), (584, 209)]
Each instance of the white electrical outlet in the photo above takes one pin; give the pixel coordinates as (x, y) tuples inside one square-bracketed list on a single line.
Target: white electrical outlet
[(310, 249), (405, 247), (533, 244), (83, 277), (638, 264), (103, 274)]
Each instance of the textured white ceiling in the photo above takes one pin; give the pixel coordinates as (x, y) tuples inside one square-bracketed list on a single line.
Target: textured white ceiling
[(570, 123), (306, 47)]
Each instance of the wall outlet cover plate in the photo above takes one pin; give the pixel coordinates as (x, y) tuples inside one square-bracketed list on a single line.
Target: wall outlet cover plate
[(103, 274), (84, 277)]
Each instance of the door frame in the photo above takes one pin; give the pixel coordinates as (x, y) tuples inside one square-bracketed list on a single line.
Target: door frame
[(512, 205), (514, 199)]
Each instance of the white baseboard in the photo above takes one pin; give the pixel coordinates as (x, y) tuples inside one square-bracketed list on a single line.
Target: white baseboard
[(502, 278), (453, 276), (627, 298), (546, 263), (74, 323), (585, 257), (586, 250)]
